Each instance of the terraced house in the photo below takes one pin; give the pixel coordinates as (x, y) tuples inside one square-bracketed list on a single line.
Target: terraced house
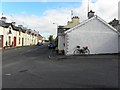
[(12, 35)]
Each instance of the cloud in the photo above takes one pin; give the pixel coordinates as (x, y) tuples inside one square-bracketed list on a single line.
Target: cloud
[(106, 9), (41, 1)]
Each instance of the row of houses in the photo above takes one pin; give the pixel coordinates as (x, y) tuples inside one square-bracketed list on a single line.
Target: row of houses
[(12, 35), (95, 33)]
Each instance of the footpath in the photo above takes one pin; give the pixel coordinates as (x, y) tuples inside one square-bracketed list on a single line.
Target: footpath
[(55, 56)]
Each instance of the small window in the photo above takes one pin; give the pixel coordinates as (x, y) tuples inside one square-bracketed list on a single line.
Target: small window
[(19, 40), (19, 33)]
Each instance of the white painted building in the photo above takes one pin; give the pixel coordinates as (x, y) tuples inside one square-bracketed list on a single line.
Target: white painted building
[(119, 11), (74, 21), (98, 35), (12, 35), (119, 21), (7, 33)]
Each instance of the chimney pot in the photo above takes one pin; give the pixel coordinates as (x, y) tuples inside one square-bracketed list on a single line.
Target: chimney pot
[(90, 14)]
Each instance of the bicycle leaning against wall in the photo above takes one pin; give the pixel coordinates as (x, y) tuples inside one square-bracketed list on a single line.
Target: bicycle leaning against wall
[(81, 51)]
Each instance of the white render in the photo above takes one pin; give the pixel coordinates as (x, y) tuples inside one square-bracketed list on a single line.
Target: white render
[(1, 30), (119, 22), (119, 11), (119, 44), (61, 42), (61, 37), (95, 33)]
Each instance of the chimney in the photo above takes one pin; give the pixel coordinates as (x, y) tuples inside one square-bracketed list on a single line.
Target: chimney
[(90, 14), (75, 19), (3, 19), (13, 23), (115, 22)]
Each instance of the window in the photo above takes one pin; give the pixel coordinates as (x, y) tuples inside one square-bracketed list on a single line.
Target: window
[(9, 40), (19, 40), (19, 33), (9, 31)]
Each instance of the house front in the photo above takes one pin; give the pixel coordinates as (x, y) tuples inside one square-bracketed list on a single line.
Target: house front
[(62, 29), (1, 35), (95, 33), (8, 34)]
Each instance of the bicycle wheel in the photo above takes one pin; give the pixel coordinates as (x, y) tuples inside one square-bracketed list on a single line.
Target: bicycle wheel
[(87, 51), (76, 52)]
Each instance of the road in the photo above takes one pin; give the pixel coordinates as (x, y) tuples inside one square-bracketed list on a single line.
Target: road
[(30, 67)]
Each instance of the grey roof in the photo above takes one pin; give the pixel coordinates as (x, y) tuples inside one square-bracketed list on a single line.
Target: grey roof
[(1, 23), (61, 29), (17, 28), (4, 24)]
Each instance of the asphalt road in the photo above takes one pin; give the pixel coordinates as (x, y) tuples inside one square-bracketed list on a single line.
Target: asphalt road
[(30, 67)]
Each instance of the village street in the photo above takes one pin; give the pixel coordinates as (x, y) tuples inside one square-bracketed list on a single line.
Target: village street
[(30, 67)]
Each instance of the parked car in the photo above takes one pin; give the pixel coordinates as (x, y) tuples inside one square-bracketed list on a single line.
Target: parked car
[(39, 43), (52, 45)]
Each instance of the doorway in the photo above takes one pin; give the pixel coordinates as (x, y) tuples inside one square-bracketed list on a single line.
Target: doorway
[(1, 41), (14, 41)]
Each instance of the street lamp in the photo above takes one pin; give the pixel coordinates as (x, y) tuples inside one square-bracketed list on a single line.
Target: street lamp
[(57, 27)]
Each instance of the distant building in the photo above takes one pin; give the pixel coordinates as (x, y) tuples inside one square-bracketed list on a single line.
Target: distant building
[(115, 24), (62, 29), (12, 35)]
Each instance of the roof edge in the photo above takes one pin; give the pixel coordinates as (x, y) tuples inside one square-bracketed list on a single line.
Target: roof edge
[(87, 20), (82, 23)]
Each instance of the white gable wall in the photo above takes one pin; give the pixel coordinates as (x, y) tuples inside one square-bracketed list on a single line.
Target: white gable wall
[(61, 42), (97, 36), (1, 30), (119, 44), (119, 21)]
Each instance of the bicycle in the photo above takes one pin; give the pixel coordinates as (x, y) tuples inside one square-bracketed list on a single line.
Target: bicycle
[(83, 51)]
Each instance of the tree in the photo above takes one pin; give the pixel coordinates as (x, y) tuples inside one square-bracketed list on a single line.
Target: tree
[(51, 39)]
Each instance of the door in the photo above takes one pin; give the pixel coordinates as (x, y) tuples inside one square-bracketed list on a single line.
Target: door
[(9, 40), (1, 41), (22, 41), (14, 41)]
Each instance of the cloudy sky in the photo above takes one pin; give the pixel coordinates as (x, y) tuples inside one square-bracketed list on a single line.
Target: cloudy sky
[(41, 14)]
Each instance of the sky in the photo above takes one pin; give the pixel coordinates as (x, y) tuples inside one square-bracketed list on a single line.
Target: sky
[(40, 15)]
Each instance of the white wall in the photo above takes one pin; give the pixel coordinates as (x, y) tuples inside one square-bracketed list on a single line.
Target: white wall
[(98, 37), (119, 44), (1, 30), (119, 11), (5, 38), (61, 42)]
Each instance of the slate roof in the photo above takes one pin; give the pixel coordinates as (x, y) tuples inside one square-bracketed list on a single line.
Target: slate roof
[(16, 28), (61, 29), (4, 24)]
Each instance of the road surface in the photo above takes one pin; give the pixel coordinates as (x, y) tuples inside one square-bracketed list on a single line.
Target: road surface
[(30, 67)]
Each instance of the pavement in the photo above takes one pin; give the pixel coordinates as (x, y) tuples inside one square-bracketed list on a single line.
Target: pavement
[(39, 67), (55, 56)]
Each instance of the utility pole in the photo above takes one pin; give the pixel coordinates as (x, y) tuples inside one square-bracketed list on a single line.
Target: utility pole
[(71, 13), (88, 6)]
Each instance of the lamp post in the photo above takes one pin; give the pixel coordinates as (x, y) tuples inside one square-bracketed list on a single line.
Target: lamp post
[(57, 28)]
